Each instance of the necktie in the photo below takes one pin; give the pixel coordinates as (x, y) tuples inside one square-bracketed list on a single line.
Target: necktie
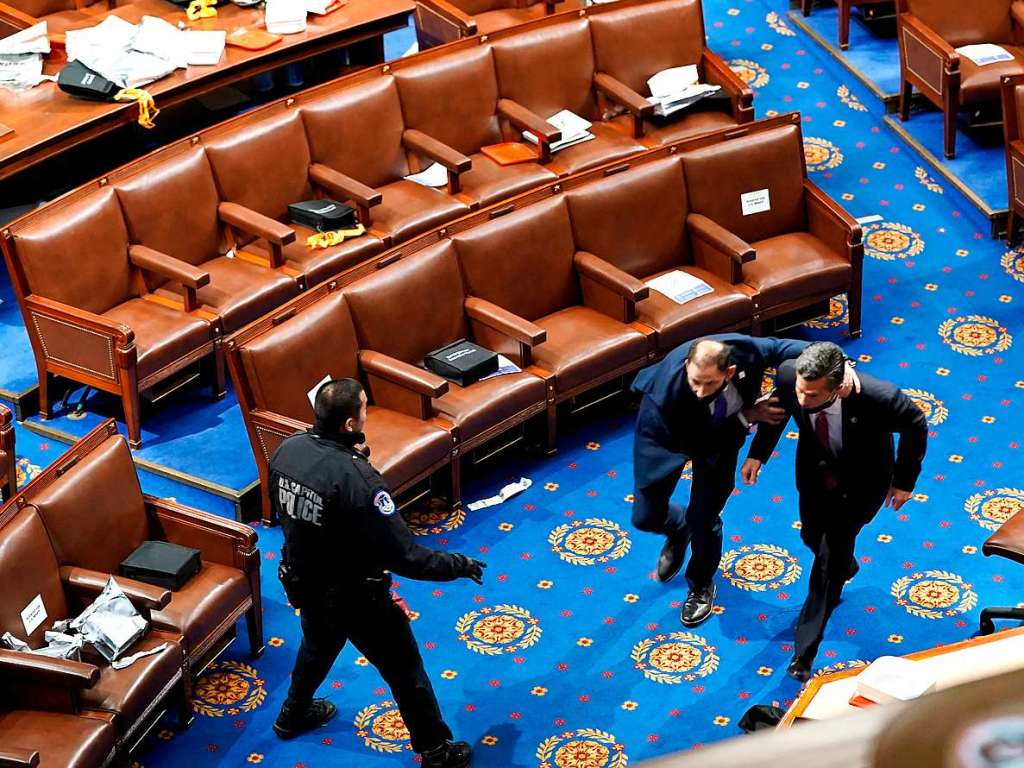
[(718, 414), (821, 430)]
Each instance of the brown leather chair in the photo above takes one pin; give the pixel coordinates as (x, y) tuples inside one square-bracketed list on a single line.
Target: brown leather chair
[(633, 43), (35, 737), (131, 699), (845, 7), (88, 309), (96, 515), (454, 99), (1008, 542), (359, 149), (549, 68), (929, 33), (807, 247), (434, 313), (173, 210), (1013, 135), (527, 264), (263, 165), (8, 459), (274, 364), (442, 21), (636, 222)]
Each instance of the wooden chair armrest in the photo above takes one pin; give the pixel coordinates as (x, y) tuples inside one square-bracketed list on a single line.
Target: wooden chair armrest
[(346, 188), (524, 120)]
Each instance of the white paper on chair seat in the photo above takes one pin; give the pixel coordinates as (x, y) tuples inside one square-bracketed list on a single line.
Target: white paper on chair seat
[(574, 128), (891, 678), (434, 175), (505, 367), (316, 388), (676, 88), (985, 53), (680, 286)]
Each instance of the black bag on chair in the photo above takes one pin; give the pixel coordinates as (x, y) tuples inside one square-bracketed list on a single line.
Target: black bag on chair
[(163, 564), (463, 362)]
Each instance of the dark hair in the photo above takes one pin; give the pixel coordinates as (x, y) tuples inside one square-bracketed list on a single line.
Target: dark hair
[(336, 401), (822, 359), (711, 352)]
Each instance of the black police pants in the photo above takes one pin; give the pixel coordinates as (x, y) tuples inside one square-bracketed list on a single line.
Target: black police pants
[(380, 630), (713, 481)]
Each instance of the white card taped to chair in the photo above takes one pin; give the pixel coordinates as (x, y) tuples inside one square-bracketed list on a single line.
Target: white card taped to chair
[(33, 615), (757, 201), (316, 388)]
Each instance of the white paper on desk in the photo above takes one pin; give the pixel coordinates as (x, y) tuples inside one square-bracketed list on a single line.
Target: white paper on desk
[(31, 40), (204, 47), (574, 128), (161, 39), (680, 286), (434, 175), (113, 34), (891, 678), (985, 53), (505, 367), (311, 395), (20, 71), (504, 494)]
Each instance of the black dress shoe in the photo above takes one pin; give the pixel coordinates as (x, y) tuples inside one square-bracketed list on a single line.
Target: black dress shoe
[(294, 720), (799, 669), (697, 607), (672, 555), (449, 755)]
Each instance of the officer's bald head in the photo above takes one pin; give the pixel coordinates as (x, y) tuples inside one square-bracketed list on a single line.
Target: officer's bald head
[(336, 402)]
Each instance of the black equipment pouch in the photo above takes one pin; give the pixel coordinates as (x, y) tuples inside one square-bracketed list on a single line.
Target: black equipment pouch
[(463, 362), (294, 588), (322, 215), (163, 564), (78, 80)]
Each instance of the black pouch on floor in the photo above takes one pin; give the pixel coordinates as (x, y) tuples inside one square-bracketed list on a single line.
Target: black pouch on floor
[(78, 80), (322, 215), (463, 362), (163, 564), (760, 717)]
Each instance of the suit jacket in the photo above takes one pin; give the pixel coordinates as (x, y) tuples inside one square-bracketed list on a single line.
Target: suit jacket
[(673, 424), (868, 464)]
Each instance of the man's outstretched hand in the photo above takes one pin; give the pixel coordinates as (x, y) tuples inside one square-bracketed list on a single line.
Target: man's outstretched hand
[(766, 411), (749, 471), (471, 568), (896, 498)]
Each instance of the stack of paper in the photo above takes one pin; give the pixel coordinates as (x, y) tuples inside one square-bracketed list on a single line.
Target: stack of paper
[(204, 48), (109, 49), (21, 57), (676, 88), (679, 286), (575, 130), (890, 678), (985, 53)]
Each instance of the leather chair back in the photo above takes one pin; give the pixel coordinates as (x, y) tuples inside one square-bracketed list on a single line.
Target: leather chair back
[(28, 568), (357, 130), (962, 24), (412, 307), (633, 43), (283, 364), (262, 164), (474, 7), (1018, 102), (94, 512), (549, 69), (77, 253), (718, 175), (502, 260), (635, 220), (453, 98), (40, 8), (171, 206)]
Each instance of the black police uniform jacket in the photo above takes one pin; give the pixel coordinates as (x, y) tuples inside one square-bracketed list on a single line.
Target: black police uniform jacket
[(341, 526), (673, 424)]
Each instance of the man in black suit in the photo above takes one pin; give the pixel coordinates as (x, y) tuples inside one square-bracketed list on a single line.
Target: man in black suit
[(698, 403), (846, 468)]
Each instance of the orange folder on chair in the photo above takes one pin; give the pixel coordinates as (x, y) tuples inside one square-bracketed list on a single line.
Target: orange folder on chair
[(509, 153)]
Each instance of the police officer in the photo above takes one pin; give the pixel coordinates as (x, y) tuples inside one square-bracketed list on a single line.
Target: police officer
[(342, 537)]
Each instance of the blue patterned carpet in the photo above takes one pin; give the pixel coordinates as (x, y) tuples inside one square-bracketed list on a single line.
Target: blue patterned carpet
[(571, 655)]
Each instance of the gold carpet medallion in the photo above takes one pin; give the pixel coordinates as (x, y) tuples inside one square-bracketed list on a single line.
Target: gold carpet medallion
[(778, 25), (760, 567), (582, 748), (589, 542), (889, 241), (934, 594), (750, 72), (25, 471), (1013, 263), (838, 315), (821, 154), (934, 410), (433, 518), (500, 629), (674, 657), (381, 728), (975, 335), (990, 509), (227, 688)]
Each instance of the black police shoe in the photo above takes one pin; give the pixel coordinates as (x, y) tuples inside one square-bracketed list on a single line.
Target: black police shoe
[(457, 754), (292, 722), (672, 555), (698, 606), (799, 669)]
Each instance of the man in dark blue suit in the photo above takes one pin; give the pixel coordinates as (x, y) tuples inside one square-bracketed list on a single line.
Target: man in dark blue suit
[(698, 403)]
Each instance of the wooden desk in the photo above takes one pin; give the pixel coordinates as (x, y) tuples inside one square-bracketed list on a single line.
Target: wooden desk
[(827, 696), (47, 121)]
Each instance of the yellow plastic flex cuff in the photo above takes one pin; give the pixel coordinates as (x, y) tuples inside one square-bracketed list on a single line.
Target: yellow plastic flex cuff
[(147, 107), (333, 237), (201, 9)]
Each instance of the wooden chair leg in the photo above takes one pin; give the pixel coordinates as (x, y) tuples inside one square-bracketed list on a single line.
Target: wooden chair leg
[(844, 24), (183, 701), (905, 93), (212, 367), (44, 394), (455, 481), (805, 7), (949, 133), (1011, 225), (133, 416), (254, 624)]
